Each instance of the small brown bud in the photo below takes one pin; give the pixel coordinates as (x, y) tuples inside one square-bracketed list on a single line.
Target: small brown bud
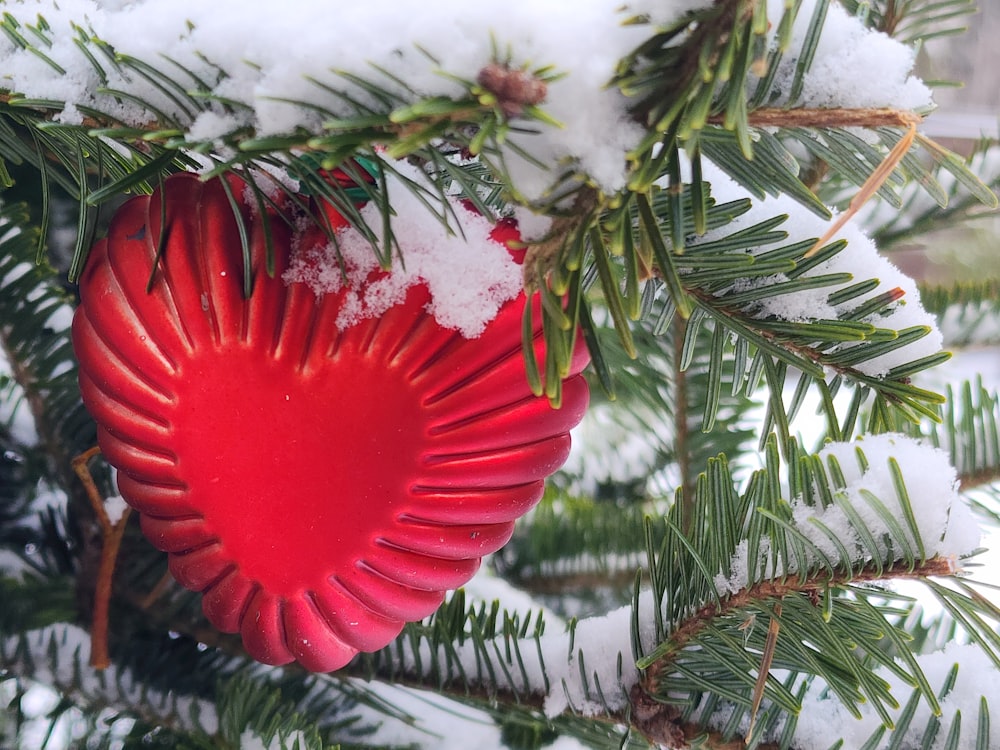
[(514, 89)]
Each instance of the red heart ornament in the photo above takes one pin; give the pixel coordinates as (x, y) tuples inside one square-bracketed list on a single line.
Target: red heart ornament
[(320, 487)]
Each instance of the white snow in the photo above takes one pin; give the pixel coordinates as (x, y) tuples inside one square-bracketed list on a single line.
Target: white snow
[(115, 506), (249, 740), (68, 647), (860, 258), (486, 586), (977, 677), (440, 723), (601, 642), (853, 66), (269, 55), (469, 275), (14, 412), (272, 56), (661, 13), (945, 523), (531, 225)]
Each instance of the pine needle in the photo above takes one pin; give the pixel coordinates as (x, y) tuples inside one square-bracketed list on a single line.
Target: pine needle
[(871, 186)]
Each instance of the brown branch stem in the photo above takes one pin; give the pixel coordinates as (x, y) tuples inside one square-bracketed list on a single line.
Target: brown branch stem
[(829, 117), (111, 539)]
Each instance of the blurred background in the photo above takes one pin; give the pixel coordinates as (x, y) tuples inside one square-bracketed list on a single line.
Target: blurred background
[(964, 71)]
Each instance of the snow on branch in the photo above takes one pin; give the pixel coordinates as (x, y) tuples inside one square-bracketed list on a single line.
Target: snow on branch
[(966, 680), (279, 70), (860, 258), (591, 667), (853, 66), (56, 656), (469, 275), (896, 497)]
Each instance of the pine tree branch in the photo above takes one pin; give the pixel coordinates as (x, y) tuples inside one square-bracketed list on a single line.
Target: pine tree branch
[(663, 722), (809, 358), (390, 127), (709, 37), (59, 454), (30, 353), (774, 589), (60, 457), (53, 657), (913, 22)]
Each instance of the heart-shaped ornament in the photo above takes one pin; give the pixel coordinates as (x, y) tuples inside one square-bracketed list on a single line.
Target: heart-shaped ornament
[(320, 485)]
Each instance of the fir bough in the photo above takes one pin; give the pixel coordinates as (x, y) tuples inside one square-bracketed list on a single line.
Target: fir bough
[(744, 608)]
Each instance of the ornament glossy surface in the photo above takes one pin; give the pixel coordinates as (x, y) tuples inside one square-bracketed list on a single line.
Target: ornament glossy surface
[(320, 487)]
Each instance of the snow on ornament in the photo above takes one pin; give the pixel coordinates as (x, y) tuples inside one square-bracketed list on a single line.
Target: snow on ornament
[(319, 485)]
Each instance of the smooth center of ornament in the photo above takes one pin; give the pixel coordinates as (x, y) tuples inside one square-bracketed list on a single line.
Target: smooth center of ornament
[(296, 470)]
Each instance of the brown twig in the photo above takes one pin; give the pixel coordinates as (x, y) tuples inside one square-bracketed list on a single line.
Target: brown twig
[(661, 724), (111, 538), (978, 478), (829, 117)]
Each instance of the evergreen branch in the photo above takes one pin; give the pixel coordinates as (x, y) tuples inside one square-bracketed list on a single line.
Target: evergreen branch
[(796, 345), (631, 449), (664, 725), (905, 725), (432, 135), (728, 278), (913, 22), (567, 537), (566, 235), (983, 293), (824, 598), (709, 645), (57, 656), (682, 426), (667, 79), (161, 684), (811, 587), (43, 365), (967, 312), (777, 590)]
